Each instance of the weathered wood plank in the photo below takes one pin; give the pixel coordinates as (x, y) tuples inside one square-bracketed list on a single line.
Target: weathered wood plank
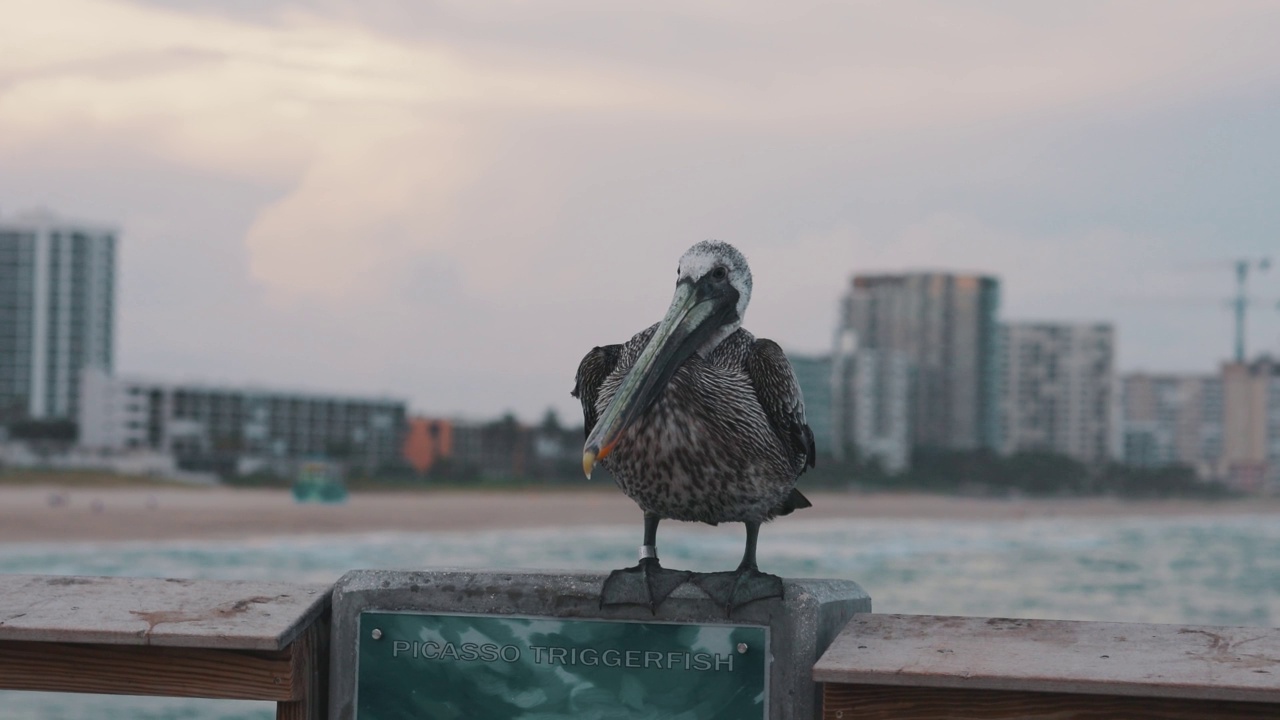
[(881, 702), (310, 654), (142, 670), (223, 614), (1169, 661)]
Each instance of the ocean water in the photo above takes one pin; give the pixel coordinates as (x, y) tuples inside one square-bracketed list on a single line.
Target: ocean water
[(1214, 570)]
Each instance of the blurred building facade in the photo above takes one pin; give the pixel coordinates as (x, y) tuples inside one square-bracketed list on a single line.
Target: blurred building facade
[(871, 395), (1058, 389), (57, 313), (1251, 425), (427, 441), (497, 449), (944, 325), (506, 449), (1169, 419), (813, 374), (237, 430)]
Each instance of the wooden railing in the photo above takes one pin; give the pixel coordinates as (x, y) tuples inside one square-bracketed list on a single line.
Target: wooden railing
[(269, 641), (179, 638), (920, 666)]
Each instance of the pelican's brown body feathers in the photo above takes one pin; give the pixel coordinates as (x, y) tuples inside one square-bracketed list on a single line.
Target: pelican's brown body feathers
[(725, 441)]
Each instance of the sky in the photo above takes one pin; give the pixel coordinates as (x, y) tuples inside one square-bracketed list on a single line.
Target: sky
[(451, 202)]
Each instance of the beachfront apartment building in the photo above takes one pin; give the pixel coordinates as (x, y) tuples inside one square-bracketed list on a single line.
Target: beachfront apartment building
[(1226, 426), (1173, 418), (237, 430), (1251, 425), (871, 403), (944, 327), (57, 313), (1058, 389)]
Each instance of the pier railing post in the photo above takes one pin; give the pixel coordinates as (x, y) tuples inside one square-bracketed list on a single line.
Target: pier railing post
[(486, 643)]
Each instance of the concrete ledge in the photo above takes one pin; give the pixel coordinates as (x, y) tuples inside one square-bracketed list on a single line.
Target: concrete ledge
[(801, 627)]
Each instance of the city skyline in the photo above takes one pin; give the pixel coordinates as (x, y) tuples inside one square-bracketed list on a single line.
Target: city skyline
[(45, 217), (919, 361), (456, 204)]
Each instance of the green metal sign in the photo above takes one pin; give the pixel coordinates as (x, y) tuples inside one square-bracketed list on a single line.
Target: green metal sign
[(484, 667)]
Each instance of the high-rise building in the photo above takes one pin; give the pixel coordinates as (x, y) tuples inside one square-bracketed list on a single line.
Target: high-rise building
[(945, 326), (57, 310), (1058, 389), (1251, 424), (813, 374), (1169, 419), (236, 430), (870, 404)]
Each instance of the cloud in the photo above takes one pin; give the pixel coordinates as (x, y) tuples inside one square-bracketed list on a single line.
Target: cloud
[(375, 135), (426, 193)]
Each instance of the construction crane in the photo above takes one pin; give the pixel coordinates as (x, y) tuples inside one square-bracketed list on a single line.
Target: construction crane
[(1241, 301), (1238, 304)]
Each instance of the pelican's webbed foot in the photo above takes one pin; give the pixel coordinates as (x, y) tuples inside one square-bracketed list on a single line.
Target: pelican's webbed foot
[(647, 584), (735, 589)]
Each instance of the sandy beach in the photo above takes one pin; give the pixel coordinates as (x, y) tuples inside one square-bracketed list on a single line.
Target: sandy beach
[(32, 514)]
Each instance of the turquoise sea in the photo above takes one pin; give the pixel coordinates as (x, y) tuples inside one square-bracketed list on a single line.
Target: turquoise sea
[(1215, 570)]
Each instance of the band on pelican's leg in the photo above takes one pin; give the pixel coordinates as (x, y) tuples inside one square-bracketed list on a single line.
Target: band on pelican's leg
[(648, 551)]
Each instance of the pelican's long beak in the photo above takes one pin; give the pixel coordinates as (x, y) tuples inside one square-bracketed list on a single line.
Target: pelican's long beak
[(696, 311)]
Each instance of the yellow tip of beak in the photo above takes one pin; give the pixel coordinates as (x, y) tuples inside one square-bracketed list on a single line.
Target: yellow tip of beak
[(588, 462)]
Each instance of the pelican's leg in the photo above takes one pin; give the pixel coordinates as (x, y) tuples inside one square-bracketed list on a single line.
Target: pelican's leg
[(744, 585), (648, 583)]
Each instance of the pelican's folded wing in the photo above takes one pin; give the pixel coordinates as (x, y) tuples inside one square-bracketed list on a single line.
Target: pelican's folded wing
[(592, 371), (779, 395)]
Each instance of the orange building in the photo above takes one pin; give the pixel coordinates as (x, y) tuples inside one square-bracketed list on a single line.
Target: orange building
[(427, 441)]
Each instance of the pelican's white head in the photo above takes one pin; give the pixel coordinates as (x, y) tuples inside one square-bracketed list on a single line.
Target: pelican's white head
[(718, 263)]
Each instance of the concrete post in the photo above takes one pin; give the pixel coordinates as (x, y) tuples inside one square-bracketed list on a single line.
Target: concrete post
[(799, 628)]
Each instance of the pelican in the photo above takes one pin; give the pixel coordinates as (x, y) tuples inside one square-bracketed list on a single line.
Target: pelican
[(699, 421)]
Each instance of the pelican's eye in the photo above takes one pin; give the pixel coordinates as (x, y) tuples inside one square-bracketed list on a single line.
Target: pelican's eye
[(719, 273)]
